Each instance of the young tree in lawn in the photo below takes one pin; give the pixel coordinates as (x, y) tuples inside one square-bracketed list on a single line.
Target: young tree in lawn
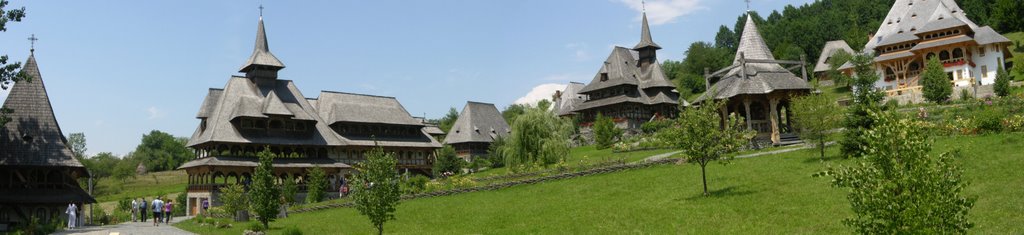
[(1002, 86), (316, 185), (289, 189), (866, 99), (700, 135), (816, 115), (899, 188), (935, 83), (234, 198), (263, 194), (377, 188), (605, 132)]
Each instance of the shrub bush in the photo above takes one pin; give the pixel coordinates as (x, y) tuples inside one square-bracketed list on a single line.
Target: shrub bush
[(989, 119), (255, 226), (292, 231)]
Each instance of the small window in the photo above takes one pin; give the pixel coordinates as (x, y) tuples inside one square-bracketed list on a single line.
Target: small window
[(984, 71), (276, 124), (260, 124), (981, 51), (604, 77)]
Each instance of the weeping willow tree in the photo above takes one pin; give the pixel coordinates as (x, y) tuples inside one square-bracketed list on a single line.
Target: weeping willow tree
[(538, 136)]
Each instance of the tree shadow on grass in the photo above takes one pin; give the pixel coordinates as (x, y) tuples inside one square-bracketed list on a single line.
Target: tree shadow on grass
[(730, 191)]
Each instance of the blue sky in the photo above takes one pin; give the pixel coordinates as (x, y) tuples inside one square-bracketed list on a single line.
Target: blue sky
[(116, 70)]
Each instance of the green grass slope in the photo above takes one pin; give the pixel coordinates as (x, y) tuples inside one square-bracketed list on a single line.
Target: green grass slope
[(149, 185), (765, 195)]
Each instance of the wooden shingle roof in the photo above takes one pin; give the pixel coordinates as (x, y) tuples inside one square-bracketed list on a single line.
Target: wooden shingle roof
[(478, 122), (261, 55), (33, 137)]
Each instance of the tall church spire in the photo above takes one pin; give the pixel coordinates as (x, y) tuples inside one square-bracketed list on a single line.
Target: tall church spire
[(645, 36), (262, 62)]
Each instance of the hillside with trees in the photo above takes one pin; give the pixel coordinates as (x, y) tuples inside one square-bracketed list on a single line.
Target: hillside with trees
[(805, 29)]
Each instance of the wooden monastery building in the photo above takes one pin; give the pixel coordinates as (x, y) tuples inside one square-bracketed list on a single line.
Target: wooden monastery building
[(758, 88), (332, 131), (478, 125), (915, 30), (38, 172), (630, 87)]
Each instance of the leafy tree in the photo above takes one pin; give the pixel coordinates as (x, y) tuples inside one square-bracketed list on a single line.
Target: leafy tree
[(264, 196), (102, 165), (76, 142), (513, 111), (377, 188), (838, 59), (160, 151), (447, 161), (448, 120), (234, 198), (726, 39), (816, 115), (1002, 86), (935, 82), (1007, 15), (9, 72), (898, 188), (316, 186), (124, 169), (544, 104), (701, 137), (866, 99), (538, 136), (605, 132), (289, 189), (494, 152)]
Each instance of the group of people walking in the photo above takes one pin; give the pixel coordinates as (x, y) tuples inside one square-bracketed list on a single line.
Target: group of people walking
[(161, 210)]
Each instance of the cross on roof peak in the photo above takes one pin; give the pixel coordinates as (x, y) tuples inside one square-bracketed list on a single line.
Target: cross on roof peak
[(261, 10), (33, 40), (643, 6), (748, 5)]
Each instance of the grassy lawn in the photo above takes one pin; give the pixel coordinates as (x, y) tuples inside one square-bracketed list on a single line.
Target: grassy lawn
[(149, 185), (767, 195), (586, 155)]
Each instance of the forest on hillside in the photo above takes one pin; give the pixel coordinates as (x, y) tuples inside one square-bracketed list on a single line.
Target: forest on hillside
[(805, 29)]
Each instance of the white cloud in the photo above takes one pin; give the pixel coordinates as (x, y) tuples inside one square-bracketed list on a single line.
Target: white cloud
[(155, 113), (540, 92), (579, 51), (664, 11), (565, 77)]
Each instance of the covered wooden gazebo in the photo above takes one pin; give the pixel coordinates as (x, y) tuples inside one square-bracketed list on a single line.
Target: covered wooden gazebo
[(758, 87)]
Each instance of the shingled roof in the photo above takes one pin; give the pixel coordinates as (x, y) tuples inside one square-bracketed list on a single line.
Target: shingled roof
[(908, 19), (33, 137), (645, 36), (478, 122), (261, 55), (831, 48), (569, 98), (761, 78), (264, 96)]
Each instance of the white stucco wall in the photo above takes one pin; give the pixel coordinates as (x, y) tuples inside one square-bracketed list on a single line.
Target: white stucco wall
[(992, 58)]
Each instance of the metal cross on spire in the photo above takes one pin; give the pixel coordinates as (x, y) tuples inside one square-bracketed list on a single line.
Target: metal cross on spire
[(33, 40), (643, 6), (748, 5), (261, 9)]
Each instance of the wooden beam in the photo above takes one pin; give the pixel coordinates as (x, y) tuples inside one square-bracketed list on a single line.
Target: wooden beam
[(721, 71), (756, 61)]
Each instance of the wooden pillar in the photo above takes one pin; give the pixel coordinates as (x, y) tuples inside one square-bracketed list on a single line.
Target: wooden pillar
[(746, 107), (743, 65), (803, 66), (773, 114), (725, 114), (707, 80)]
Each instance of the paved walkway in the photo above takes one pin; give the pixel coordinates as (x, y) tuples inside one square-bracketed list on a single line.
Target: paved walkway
[(129, 228), (801, 147)]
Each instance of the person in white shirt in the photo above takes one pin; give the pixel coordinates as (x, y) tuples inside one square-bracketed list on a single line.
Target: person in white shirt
[(135, 210), (72, 212), (157, 209)]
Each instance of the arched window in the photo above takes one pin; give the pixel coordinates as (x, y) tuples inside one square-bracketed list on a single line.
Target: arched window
[(958, 53), (930, 55), (944, 55)]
